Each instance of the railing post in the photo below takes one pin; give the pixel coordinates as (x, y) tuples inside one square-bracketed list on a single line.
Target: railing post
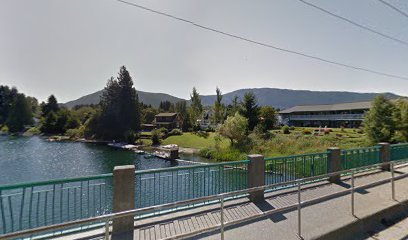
[(385, 155), (334, 162), (123, 199), (256, 176)]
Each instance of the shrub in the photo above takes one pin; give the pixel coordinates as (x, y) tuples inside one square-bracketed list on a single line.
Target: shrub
[(175, 132), (224, 155), (285, 129), (156, 137), (34, 131), (5, 129), (163, 130), (74, 133)]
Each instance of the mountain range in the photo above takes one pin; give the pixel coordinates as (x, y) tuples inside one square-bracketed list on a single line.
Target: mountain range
[(278, 98)]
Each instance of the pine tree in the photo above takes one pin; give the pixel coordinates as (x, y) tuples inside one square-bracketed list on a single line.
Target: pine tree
[(20, 114), (379, 123), (196, 108), (120, 108), (50, 106), (181, 108), (250, 110), (219, 108)]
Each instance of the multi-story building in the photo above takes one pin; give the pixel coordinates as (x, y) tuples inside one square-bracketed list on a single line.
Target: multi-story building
[(330, 115)]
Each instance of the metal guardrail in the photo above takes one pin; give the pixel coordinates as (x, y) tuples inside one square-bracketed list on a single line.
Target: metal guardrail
[(399, 151), (160, 186), (360, 157), (31, 205), (220, 197), (288, 168)]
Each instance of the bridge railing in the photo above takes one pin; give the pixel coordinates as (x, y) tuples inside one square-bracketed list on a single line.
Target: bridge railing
[(399, 151), (360, 157), (160, 186), (289, 168), (222, 224), (32, 205)]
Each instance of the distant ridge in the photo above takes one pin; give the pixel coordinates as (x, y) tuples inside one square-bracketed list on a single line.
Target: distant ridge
[(278, 98), (146, 97)]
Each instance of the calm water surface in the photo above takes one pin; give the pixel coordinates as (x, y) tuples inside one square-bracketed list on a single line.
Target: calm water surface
[(27, 159)]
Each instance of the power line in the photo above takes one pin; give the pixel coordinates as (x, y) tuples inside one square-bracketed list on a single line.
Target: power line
[(264, 44), (394, 8), (354, 23)]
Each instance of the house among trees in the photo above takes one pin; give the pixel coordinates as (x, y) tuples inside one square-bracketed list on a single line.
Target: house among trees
[(165, 120)]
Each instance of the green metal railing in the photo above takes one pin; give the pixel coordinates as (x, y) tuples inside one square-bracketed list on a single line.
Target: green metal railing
[(360, 157), (282, 169), (399, 151), (31, 205), (160, 186)]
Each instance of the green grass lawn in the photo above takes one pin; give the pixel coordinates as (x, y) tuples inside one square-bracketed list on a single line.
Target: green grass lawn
[(280, 145), (190, 140)]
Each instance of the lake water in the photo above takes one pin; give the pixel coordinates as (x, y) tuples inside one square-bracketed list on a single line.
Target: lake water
[(27, 159)]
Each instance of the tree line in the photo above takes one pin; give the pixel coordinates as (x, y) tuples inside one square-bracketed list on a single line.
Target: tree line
[(119, 114)]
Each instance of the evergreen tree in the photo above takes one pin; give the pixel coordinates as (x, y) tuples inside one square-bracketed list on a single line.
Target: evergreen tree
[(219, 108), (50, 106), (166, 106), (379, 123), (120, 108), (234, 106), (196, 108), (250, 110), (181, 108), (7, 97), (401, 120), (20, 114)]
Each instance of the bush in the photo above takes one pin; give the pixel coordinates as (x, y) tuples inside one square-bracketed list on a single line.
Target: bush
[(74, 132), (224, 155), (175, 132), (306, 132), (4, 129), (156, 137), (34, 131), (285, 129), (163, 130)]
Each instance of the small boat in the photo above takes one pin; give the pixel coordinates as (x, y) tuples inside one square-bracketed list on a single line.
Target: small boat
[(139, 151), (162, 155)]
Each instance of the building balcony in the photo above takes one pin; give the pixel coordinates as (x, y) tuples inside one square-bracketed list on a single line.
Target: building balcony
[(326, 117)]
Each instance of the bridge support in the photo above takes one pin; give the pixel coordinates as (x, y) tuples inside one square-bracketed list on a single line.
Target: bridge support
[(385, 155), (334, 162), (123, 199), (256, 176)]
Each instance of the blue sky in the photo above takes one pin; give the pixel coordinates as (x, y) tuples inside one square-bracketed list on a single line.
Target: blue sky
[(70, 48)]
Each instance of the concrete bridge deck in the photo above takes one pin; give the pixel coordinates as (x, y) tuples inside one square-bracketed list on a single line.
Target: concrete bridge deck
[(328, 219)]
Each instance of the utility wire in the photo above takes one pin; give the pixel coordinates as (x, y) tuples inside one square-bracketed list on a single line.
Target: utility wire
[(394, 8), (265, 44), (354, 23)]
